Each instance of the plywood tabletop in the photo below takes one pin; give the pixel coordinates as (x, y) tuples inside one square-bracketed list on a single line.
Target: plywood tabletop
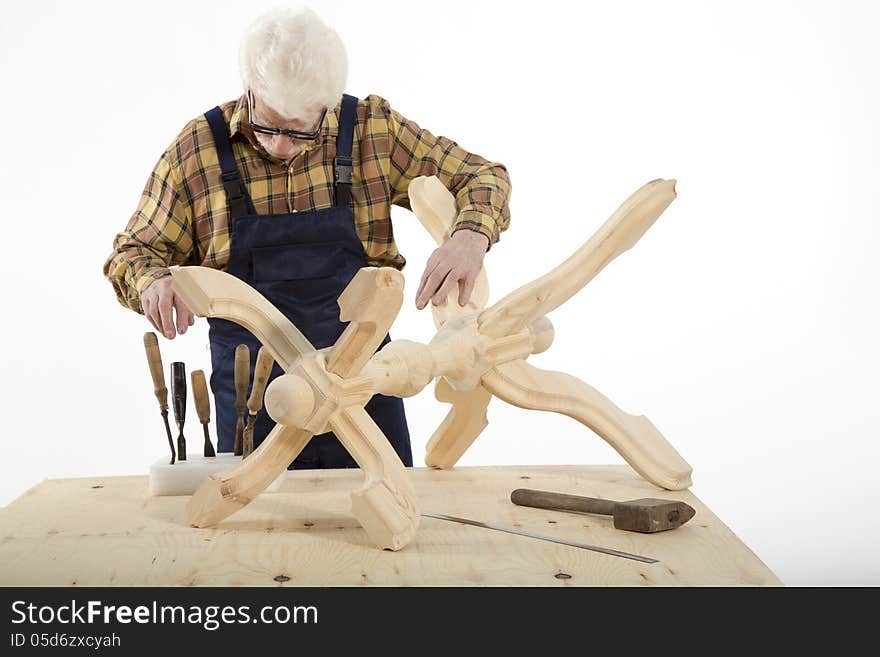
[(107, 531)]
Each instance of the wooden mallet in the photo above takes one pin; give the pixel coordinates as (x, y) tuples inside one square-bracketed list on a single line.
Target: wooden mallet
[(644, 515)]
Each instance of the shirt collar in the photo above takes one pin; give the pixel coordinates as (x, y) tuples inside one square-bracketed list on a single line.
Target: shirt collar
[(240, 129)]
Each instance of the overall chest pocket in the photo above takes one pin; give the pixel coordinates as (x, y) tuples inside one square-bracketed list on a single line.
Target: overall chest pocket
[(297, 262)]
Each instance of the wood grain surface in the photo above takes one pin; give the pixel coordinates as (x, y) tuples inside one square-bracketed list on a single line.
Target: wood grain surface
[(103, 531)]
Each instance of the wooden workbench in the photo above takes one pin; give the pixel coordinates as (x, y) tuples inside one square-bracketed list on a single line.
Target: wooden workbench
[(107, 531)]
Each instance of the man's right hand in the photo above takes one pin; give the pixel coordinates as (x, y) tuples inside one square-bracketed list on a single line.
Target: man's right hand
[(158, 300)]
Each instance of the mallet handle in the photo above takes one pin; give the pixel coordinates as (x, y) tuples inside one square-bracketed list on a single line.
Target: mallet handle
[(541, 499)]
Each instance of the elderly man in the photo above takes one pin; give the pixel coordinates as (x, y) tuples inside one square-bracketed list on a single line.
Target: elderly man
[(290, 188)]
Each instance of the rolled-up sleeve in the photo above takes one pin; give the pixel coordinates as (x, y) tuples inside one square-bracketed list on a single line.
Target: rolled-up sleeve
[(157, 236), (481, 188)]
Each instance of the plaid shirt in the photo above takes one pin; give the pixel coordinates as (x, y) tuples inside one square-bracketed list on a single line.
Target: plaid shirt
[(183, 219)]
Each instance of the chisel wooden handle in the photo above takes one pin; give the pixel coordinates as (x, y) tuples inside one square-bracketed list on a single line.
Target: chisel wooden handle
[(200, 396), (154, 358), (261, 376), (203, 408), (178, 399), (178, 391), (541, 499), (241, 375)]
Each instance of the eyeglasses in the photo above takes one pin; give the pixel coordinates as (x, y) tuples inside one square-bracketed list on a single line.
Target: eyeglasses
[(294, 134)]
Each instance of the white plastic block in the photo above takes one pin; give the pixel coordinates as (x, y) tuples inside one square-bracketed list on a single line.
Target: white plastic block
[(184, 477)]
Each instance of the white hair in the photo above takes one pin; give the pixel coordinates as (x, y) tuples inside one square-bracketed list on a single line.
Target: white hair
[(293, 62)]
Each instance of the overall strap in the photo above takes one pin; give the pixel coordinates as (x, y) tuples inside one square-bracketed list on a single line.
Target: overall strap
[(342, 164), (236, 193)]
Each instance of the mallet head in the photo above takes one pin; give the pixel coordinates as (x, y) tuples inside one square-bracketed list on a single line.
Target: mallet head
[(651, 515)]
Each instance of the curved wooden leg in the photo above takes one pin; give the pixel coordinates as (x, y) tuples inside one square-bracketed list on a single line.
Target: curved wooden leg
[(386, 505), (619, 233), (224, 493), (464, 422), (214, 293), (634, 437)]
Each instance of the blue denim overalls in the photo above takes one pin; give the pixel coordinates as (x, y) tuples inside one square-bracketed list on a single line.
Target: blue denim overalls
[(301, 262)]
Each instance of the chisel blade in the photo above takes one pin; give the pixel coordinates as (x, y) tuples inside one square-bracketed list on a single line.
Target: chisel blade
[(247, 440), (519, 532), (168, 433)]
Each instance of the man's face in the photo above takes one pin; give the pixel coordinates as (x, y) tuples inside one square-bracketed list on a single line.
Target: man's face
[(282, 146)]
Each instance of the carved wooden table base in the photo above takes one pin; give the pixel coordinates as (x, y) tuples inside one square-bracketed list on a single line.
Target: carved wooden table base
[(475, 354)]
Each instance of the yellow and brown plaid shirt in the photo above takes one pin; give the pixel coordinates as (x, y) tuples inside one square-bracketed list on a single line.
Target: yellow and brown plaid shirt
[(183, 219)]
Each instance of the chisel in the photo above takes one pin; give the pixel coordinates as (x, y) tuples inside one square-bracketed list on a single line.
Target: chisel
[(203, 407), (178, 398), (154, 359), (255, 401), (241, 374), (519, 532)]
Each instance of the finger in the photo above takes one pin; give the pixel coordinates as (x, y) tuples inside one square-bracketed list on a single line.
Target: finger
[(431, 285), (149, 309), (434, 259), (422, 282), (448, 283), (184, 316), (466, 289), (165, 314), (430, 266), (432, 279)]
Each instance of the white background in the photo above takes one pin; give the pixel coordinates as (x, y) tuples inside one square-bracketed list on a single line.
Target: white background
[(744, 324)]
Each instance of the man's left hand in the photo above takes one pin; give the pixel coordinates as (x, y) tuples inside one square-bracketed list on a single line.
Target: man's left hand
[(458, 260)]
